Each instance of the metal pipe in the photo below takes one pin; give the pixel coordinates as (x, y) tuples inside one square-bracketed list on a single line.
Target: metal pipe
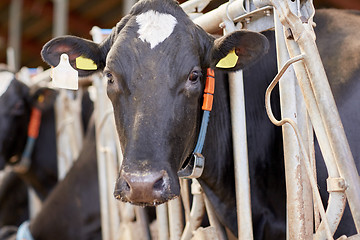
[(127, 6), (298, 191), (107, 159), (60, 26), (14, 40), (162, 221), (298, 136), (185, 196), (175, 219), (142, 220), (327, 107), (197, 211), (69, 134), (241, 164), (337, 200), (210, 21), (214, 222)]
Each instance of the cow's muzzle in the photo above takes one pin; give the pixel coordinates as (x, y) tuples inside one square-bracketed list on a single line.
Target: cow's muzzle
[(146, 188)]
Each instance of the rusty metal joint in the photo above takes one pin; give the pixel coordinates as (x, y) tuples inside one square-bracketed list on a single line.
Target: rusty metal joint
[(336, 185)]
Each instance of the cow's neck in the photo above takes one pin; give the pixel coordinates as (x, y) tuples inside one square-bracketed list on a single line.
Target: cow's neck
[(218, 176), (43, 159)]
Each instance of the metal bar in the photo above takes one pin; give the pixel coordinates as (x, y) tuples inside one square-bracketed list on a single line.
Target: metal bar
[(142, 220), (214, 222), (337, 200), (334, 129), (14, 40), (175, 219), (35, 203), (241, 164), (162, 221), (197, 211), (127, 6), (210, 21), (299, 201), (107, 159), (60, 17), (298, 136), (69, 133), (185, 196)]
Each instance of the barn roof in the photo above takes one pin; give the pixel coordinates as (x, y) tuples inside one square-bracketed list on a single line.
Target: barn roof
[(37, 22)]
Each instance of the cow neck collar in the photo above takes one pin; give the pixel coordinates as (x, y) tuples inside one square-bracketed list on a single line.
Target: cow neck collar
[(22, 166), (195, 165)]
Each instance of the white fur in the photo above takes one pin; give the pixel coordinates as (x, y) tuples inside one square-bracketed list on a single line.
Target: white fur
[(5, 80), (155, 27)]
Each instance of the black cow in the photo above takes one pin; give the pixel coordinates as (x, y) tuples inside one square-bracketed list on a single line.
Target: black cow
[(17, 102), (155, 82), (72, 210)]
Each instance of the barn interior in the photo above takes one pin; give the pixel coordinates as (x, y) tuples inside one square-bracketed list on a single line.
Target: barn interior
[(33, 22), (26, 25)]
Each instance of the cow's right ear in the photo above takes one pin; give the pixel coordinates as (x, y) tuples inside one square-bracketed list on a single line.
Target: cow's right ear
[(238, 50), (74, 47)]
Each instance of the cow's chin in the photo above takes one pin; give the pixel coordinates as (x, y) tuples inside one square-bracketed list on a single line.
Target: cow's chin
[(154, 203)]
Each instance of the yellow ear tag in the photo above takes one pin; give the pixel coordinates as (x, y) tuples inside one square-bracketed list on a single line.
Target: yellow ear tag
[(229, 61), (85, 63)]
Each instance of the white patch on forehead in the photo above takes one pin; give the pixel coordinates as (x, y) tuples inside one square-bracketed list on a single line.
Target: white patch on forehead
[(155, 27), (5, 80)]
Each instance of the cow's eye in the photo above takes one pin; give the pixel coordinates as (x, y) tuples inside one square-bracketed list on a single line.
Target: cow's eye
[(109, 77), (194, 76)]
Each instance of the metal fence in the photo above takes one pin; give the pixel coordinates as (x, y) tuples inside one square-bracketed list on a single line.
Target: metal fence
[(304, 91)]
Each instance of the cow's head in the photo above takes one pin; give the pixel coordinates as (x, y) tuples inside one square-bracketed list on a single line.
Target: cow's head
[(16, 102), (155, 63), (13, 108)]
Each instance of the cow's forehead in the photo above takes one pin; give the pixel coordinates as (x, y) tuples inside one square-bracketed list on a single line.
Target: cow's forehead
[(155, 27), (5, 80)]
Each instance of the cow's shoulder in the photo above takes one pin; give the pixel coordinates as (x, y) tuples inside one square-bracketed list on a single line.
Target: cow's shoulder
[(338, 35)]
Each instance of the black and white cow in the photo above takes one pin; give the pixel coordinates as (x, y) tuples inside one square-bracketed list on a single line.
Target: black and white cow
[(72, 209), (17, 102), (40, 171), (155, 61)]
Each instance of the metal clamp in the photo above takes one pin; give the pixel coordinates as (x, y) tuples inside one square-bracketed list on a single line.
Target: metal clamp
[(194, 168), (336, 185)]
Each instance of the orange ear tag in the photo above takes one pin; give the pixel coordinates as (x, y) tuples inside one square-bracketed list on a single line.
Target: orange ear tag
[(229, 61), (64, 75)]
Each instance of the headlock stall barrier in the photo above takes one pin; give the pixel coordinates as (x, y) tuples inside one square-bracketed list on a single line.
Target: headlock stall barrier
[(304, 93), (293, 19)]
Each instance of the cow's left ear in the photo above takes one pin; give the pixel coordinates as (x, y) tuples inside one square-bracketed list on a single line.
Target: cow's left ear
[(238, 50), (76, 48)]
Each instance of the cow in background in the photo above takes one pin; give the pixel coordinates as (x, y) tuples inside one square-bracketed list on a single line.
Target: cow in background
[(72, 210), (17, 101), (155, 61)]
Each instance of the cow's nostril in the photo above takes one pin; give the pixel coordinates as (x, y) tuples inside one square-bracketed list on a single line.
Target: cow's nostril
[(159, 184), (127, 186)]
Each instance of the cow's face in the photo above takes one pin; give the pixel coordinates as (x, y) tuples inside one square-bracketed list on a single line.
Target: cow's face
[(155, 62), (14, 113)]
